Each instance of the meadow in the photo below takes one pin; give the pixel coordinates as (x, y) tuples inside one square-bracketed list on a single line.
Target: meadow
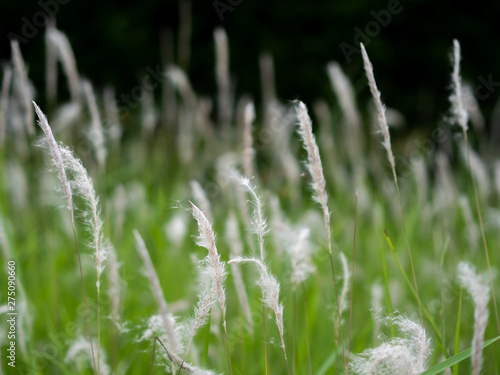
[(176, 233)]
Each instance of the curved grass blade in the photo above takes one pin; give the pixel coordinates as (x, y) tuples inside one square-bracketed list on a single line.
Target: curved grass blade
[(455, 359)]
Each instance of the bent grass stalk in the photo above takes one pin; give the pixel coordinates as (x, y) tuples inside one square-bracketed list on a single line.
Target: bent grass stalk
[(58, 162), (217, 272), (83, 186), (384, 128), (315, 169)]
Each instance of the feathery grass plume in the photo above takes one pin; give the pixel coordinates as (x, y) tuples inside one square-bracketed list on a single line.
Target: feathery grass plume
[(23, 84), (81, 348), (51, 64), (315, 169), (377, 293), (345, 94), (66, 115), (480, 169), (206, 299), (258, 226), (314, 166), (300, 251), (459, 113), (181, 81), (214, 266), (176, 229), (473, 235), (83, 186), (157, 291), (112, 122), (185, 29), (200, 198), (382, 120), (224, 102), (460, 116), (447, 192), (270, 295), (57, 159), (472, 108), (148, 113), (346, 275), (233, 239), (247, 145), (267, 80), (58, 162), (403, 355), (384, 129), (4, 104), (95, 132), (115, 289), (477, 286), (67, 58)]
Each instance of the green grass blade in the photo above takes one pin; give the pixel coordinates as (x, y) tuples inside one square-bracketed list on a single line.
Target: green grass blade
[(455, 359), (457, 331), (328, 362)]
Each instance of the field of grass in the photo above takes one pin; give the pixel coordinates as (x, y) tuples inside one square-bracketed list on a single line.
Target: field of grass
[(299, 297)]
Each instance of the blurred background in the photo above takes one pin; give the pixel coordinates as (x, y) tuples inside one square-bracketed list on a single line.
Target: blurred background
[(408, 42)]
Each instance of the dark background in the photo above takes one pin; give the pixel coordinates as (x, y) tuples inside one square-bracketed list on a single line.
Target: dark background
[(114, 41)]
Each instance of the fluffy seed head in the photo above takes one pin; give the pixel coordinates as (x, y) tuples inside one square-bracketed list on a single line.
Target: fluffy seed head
[(459, 113), (479, 290), (56, 157), (382, 120)]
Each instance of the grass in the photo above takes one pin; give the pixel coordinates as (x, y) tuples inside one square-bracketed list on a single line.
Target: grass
[(146, 297)]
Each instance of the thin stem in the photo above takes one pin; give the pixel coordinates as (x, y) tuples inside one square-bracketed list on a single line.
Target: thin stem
[(98, 330), (338, 310), (309, 362), (408, 247), (483, 235), (84, 293), (264, 329), (294, 328), (227, 342), (286, 361), (153, 357), (352, 274), (154, 349)]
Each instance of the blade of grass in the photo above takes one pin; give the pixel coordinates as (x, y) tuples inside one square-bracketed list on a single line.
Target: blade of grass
[(455, 359), (457, 331)]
